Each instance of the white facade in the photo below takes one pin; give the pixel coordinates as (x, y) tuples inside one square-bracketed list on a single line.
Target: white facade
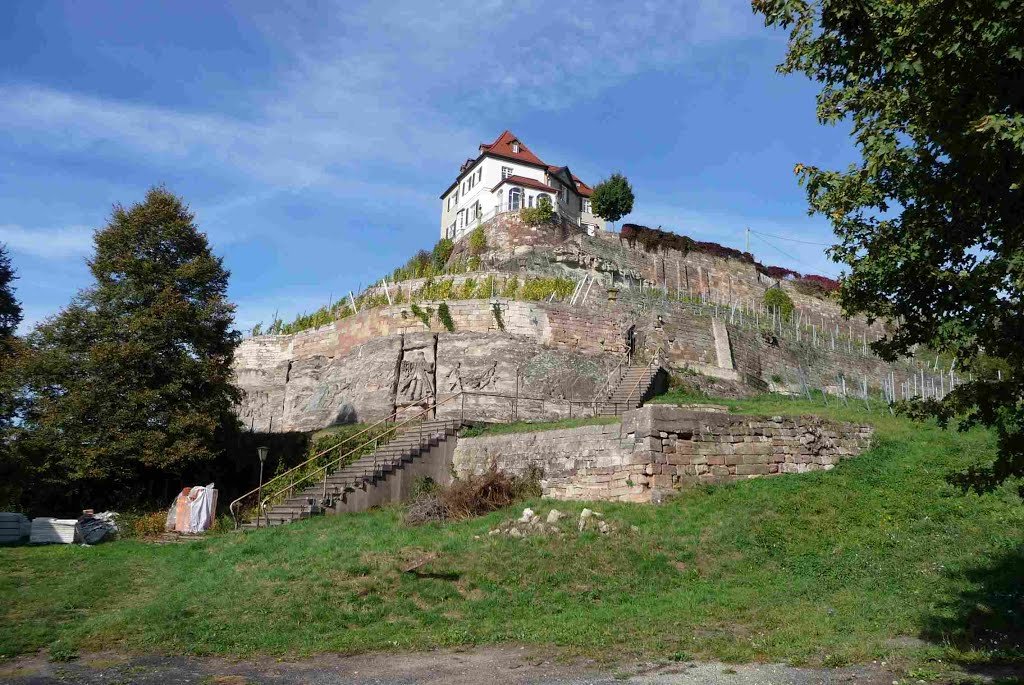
[(505, 177)]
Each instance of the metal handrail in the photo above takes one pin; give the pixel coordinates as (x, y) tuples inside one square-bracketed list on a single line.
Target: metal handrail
[(231, 507), (262, 507), (654, 358), (618, 372)]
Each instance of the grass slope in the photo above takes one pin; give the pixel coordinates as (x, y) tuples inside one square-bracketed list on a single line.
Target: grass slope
[(822, 568)]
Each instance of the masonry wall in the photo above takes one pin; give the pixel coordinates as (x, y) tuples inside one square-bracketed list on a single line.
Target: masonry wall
[(660, 449)]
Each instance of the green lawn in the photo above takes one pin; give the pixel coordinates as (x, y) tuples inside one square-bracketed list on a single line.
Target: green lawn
[(822, 568), (533, 426)]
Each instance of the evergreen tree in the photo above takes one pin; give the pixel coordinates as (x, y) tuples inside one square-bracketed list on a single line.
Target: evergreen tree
[(10, 390), (131, 382), (612, 198), (10, 310)]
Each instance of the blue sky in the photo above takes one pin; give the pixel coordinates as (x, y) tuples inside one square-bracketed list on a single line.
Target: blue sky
[(313, 139)]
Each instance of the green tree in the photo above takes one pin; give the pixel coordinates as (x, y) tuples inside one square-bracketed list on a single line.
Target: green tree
[(929, 219), (131, 382), (612, 198), (11, 473)]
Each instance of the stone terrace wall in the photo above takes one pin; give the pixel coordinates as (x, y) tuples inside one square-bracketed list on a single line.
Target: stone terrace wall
[(659, 449)]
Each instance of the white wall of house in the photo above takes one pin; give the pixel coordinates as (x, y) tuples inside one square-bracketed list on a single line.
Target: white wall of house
[(458, 206), (589, 219)]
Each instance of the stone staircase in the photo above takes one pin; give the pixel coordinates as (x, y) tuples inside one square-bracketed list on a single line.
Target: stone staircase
[(630, 392), (410, 442)]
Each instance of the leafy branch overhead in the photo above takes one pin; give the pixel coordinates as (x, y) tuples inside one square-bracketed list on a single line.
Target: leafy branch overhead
[(929, 218)]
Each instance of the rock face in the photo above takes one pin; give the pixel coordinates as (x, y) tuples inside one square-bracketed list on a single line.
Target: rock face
[(336, 383)]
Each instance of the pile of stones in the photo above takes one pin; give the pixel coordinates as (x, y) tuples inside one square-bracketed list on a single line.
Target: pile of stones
[(532, 524)]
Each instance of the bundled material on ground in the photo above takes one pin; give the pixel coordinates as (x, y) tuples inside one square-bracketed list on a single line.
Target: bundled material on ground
[(95, 528), (13, 527), (46, 530), (192, 510)]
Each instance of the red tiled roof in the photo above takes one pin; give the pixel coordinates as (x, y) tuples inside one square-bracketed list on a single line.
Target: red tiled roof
[(503, 146), (527, 183), (582, 188)]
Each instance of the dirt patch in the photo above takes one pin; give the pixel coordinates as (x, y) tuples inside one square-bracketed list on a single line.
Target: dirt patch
[(508, 665)]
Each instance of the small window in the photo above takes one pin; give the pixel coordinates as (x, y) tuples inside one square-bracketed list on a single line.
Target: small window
[(515, 147), (480, 174), (586, 205), (506, 171)]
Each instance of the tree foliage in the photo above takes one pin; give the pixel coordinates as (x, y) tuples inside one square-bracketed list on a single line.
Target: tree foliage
[(10, 310), (930, 219), (131, 382), (612, 198), (10, 387)]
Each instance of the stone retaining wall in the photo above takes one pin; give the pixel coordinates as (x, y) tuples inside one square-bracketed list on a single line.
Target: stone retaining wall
[(659, 449)]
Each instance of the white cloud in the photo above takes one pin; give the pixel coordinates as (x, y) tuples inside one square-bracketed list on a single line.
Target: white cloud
[(57, 243), (367, 84)]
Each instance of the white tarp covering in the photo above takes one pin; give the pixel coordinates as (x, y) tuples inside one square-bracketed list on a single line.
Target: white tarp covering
[(193, 510)]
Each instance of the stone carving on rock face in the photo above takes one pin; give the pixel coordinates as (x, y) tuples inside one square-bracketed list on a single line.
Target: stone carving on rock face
[(485, 380), (453, 379), (418, 379)]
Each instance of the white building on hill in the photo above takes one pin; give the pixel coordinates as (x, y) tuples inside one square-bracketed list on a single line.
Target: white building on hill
[(505, 177)]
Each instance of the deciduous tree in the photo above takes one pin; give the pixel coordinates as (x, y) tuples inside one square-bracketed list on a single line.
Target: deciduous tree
[(612, 198), (931, 218)]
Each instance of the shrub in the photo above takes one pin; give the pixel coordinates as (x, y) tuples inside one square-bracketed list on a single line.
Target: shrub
[(815, 284), (499, 321), (777, 299), (477, 241), (777, 272), (543, 288), (473, 496), (420, 314), (141, 526), (441, 252), (445, 316), (511, 288), (474, 263), (467, 289), (486, 288), (440, 290), (541, 214)]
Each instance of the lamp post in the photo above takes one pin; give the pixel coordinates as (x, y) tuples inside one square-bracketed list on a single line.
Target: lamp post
[(262, 452)]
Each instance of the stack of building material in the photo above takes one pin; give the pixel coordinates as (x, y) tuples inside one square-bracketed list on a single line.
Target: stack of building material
[(47, 530), (13, 527)]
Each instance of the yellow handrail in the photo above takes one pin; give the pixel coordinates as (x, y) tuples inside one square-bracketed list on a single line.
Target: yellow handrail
[(263, 504), (231, 507)]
